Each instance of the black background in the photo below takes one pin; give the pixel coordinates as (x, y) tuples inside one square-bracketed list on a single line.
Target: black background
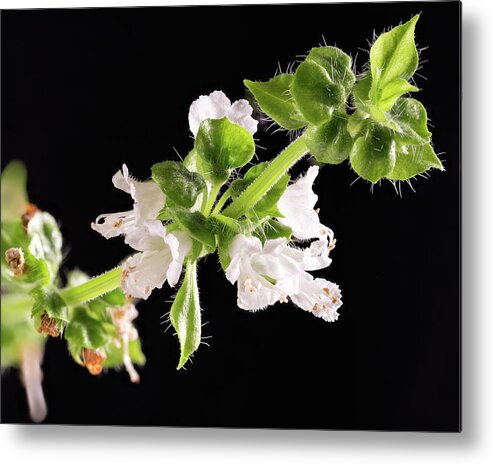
[(84, 91)]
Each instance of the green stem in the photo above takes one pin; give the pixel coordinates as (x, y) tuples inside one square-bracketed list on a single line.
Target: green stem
[(15, 307), (212, 198), (257, 189), (93, 288), (221, 202)]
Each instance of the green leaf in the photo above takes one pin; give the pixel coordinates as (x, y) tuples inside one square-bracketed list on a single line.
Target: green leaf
[(86, 331), (322, 82), (275, 100), (185, 315), (358, 123), (47, 300), (46, 240), (267, 205), (225, 229), (178, 183), (13, 190), (393, 91), (409, 120), (393, 57), (419, 159), (195, 223), (223, 146), (273, 229), (373, 154), (331, 141)]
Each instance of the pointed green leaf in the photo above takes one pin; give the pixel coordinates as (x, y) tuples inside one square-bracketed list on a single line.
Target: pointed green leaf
[(409, 120), (331, 141), (14, 194), (419, 159), (273, 229), (393, 91), (223, 146), (275, 100), (178, 183), (195, 224), (393, 56), (185, 315), (373, 154)]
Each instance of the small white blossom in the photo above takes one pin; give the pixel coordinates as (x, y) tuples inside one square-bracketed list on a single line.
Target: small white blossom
[(297, 206), (264, 274), (122, 318), (318, 296), (148, 201), (160, 259), (217, 106)]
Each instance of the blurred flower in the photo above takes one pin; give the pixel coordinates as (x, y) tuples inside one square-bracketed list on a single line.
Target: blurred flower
[(122, 318), (217, 106)]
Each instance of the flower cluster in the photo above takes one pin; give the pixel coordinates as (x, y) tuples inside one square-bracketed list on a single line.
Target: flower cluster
[(263, 225)]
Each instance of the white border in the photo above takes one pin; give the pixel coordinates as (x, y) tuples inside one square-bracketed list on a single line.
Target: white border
[(475, 445)]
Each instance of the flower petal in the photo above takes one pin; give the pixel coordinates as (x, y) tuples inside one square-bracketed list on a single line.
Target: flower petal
[(296, 205)]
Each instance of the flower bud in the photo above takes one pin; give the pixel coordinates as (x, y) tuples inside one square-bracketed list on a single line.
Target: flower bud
[(15, 260)]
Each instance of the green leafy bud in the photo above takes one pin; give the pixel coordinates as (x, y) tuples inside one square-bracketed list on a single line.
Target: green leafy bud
[(86, 331), (50, 312), (267, 205), (46, 240), (185, 314), (223, 146), (322, 82), (331, 141), (373, 155), (275, 100), (178, 183), (393, 61), (419, 159)]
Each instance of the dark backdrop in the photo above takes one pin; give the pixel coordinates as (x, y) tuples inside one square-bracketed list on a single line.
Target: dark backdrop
[(85, 90)]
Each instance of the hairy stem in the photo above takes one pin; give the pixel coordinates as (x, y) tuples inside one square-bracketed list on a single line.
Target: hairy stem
[(93, 288), (257, 189)]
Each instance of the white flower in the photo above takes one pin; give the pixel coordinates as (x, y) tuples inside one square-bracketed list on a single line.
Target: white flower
[(148, 201), (160, 259), (296, 205), (122, 318), (318, 296), (264, 275), (217, 106)]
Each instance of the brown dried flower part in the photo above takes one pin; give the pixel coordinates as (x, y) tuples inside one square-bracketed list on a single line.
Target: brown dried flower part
[(31, 210), (93, 360), (49, 326), (15, 260)]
